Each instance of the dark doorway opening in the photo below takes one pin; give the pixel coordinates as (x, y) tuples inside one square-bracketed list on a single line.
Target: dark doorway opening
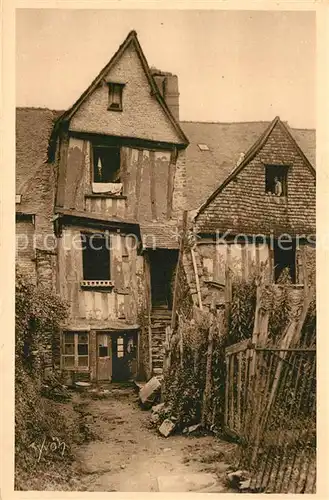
[(124, 356), (163, 265), (285, 258)]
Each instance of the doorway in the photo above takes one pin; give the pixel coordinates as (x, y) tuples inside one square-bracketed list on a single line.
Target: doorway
[(116, 356), (163, 265)]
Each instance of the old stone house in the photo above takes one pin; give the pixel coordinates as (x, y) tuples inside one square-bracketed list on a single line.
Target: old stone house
[(100, 193)]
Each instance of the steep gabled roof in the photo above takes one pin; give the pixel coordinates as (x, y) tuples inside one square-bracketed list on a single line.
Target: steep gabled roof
[(253, 150), (131, 38), (206, 170)]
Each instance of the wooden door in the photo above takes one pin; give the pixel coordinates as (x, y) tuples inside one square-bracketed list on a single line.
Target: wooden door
[(104, 357)]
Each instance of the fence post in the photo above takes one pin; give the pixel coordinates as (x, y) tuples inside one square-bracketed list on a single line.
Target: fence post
[(207, 389), (179, 264)]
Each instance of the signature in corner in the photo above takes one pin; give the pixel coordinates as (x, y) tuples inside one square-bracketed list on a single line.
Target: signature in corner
[(53, 445)]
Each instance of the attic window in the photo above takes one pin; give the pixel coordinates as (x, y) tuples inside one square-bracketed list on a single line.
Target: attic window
[(203, 147), (276, 180), (115, 96), (106, 164)]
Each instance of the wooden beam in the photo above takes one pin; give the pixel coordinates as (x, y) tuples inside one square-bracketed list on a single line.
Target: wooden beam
[(179, 264), (197, 281), (170, 183), (152, 186), (139, 168)]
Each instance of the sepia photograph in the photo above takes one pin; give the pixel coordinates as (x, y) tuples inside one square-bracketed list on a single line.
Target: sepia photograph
[(165, 300)]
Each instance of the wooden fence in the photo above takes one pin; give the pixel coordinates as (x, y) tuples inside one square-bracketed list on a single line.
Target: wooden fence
[(270, 406)]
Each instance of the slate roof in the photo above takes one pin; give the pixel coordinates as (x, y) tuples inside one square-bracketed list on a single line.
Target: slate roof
[(155, 235), (206, 170), (240, 203), (33, 130)]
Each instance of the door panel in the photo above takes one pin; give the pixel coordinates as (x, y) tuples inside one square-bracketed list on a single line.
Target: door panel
[(104, 356), (124, 356)]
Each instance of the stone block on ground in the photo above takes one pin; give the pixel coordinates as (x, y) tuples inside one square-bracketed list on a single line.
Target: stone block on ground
[(167, 427), (150, 392), (158, 408), (192, 428)]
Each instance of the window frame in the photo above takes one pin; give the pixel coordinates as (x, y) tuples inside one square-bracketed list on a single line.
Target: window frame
[(112, 87), (96, 147), (283, 172), (76, 356), (105, 281)]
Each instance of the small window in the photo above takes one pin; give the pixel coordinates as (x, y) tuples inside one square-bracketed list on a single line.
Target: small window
[(75, 352), (115, 96), (276, 180), (106, 164), (284, 260), (120, 347), (96, 257), (203, 147)]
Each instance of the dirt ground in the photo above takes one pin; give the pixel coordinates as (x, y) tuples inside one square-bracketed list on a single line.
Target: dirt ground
[(128, 454)]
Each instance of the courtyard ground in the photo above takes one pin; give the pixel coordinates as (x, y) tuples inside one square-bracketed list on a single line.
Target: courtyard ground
[(126, 453)]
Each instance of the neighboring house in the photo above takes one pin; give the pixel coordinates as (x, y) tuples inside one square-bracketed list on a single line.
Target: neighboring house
[(262, 216), (101, 189)]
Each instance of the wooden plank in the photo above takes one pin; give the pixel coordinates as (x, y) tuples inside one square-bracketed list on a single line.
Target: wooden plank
[(88, 204), (196, 275), (125, 155), (170, 183), (238, 347), (89, 304), (227, 391), (152, 186), (121, 306), (121, 207), (111, 305), (116, 261), (64, 145), (139, 168), (105, 309), (108, 206), (257, 259), (239, 390), (179, 264), (244, 261), (231, 392), (150, 348), (207, 390), (99, 313)]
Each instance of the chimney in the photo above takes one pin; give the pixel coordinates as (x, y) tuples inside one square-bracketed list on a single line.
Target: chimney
[(167, 84)]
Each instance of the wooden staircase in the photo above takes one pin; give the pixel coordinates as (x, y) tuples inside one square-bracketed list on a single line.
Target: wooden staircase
[(160, 319)]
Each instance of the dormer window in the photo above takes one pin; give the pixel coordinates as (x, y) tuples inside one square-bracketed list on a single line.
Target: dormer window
[(276, 180), (115, 96)]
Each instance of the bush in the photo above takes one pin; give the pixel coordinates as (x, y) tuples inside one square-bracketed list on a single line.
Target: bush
[(38, 316)]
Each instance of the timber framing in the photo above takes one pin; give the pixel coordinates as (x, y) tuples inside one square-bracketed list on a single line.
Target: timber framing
[(132, 142), (75, 218)]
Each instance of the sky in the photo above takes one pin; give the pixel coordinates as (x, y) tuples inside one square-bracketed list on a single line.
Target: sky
[(231, 65)]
